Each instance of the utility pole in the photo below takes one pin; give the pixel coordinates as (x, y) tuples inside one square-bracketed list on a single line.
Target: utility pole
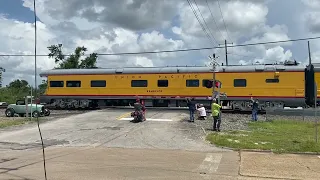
[(226, 49), (214, 64), (1, 70), (309, 52)]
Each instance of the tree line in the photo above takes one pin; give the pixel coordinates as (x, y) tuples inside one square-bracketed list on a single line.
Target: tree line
[(18, 89)]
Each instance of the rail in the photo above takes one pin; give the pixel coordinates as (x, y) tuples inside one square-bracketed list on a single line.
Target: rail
[(208, 110)]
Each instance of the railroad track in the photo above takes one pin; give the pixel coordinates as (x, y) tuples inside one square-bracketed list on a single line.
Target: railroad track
[(155, 108), (131, 107)]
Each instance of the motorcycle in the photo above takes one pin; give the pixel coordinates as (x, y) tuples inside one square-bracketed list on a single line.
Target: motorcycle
[(138, 116)]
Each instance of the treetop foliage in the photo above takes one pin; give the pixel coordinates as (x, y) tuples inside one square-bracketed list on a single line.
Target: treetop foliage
[(18, 89)]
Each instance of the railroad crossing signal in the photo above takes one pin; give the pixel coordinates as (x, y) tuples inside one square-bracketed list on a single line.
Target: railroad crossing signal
[(216, 83)]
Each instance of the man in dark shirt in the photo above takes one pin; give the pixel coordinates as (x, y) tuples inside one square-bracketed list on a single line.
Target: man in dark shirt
[(192, 107), (255, 108)]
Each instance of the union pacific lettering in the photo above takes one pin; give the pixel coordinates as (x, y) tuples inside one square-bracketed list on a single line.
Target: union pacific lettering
[(127, 77), (159, 76), (178, 76)]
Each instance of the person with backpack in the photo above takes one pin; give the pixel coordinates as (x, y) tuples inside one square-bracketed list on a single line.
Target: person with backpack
[(192, 108)]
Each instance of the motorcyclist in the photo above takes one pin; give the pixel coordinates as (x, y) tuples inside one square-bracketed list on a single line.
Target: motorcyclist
[(139, 110)]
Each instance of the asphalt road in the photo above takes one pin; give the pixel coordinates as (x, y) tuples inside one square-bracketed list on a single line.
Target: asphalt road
[(110, 128), (163, 147)]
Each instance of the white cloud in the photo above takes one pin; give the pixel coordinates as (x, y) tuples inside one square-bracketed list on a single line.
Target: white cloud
[(277, 54), (18, 38), (311, 24)]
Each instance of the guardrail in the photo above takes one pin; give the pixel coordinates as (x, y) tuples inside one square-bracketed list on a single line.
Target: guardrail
[(294, 114)]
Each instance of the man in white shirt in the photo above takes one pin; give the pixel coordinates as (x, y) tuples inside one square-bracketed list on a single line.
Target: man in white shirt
[(202, 112)]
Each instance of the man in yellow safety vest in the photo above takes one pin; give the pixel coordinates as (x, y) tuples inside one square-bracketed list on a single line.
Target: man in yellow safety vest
[(215, 112)]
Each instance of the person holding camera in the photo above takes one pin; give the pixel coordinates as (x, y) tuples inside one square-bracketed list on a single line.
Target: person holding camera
[(215, 110)]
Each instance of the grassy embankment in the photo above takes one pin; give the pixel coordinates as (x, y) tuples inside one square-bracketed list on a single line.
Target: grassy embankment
[(279, 136), (8, 122)]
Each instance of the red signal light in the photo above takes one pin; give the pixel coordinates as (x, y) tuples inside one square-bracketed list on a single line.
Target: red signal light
[(216, 84)]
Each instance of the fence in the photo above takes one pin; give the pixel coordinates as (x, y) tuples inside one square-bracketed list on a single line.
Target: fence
[(309, 114)]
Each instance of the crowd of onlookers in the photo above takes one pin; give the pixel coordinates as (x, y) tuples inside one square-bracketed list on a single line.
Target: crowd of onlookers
[(200, 111)]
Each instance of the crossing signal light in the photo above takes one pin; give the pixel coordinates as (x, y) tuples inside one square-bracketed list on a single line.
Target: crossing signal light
[(216, 83), (209, 84)]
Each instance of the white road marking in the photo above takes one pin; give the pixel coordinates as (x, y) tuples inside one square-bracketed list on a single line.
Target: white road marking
[(318, 156), (129, 119), (210, 164)]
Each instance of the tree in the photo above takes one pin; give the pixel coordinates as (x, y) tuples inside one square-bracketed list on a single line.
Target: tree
[(17, 89), (42, 87), (73, 61)]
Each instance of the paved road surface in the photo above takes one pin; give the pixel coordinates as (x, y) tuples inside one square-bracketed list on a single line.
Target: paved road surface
[(164, 147), (80, 163), (119, 163), (110, 128)]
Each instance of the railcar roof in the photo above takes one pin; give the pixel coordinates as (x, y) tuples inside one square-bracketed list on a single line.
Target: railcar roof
[(316, 66), (176, 69)]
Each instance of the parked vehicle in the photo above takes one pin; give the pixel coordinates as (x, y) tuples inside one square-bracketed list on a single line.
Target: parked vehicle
[(20, 108)]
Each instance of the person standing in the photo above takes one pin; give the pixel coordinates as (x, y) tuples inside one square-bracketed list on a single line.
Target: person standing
[(215, 110), (255, 108), (192, 107)]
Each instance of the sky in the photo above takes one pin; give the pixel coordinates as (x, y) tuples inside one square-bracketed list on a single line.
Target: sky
[(116, 26)]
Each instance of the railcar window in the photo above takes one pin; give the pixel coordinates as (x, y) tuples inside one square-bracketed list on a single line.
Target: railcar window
[(73, 83), (98, 83), (139, 83), (192, 83), (272, 80), (239, 82), (163, 83), (56, 83)]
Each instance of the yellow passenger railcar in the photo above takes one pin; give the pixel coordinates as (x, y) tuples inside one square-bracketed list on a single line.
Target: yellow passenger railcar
[(273, 85)]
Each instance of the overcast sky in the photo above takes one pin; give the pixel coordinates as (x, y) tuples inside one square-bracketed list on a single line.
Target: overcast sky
[(112, 26)]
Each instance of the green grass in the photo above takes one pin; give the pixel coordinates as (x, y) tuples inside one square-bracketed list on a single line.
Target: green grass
[(279, 136), (8, 122)]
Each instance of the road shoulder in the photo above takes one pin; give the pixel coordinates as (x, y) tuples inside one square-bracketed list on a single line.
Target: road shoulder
[(284, 166)]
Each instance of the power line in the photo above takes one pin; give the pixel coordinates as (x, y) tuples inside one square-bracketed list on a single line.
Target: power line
[(181, 50), (202, 26), (205, 21), (215, 22), (223, 20)]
